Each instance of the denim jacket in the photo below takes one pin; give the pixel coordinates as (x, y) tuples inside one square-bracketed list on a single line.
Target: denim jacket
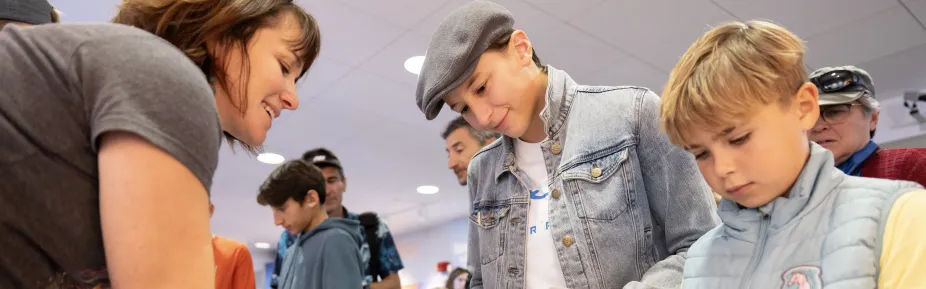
[(625, 203)]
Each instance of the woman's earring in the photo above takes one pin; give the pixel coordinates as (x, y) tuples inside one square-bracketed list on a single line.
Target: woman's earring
[(212, 83)]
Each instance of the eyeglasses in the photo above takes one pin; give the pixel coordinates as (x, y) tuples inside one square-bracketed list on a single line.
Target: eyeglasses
[(836, 80), (837, 113)]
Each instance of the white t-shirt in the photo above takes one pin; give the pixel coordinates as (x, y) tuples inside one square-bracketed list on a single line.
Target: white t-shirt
[(541, 265)]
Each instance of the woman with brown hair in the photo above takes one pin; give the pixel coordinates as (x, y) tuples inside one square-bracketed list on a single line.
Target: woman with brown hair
[(458, 279), (110, 135)]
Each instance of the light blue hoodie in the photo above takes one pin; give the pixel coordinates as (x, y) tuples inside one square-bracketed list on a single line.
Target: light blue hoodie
[(326, 257)]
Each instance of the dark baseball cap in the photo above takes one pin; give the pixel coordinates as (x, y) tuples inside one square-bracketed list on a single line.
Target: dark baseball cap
[(33, 12), (455, 49), (860, 86), (322, 157)]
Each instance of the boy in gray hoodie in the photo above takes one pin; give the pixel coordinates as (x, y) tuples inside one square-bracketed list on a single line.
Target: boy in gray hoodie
[(326, 253)]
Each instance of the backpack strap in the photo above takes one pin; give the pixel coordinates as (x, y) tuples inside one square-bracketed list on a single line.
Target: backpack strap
[(370, 223)]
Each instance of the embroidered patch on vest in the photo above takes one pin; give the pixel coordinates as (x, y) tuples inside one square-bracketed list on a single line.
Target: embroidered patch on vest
[(802, 277)]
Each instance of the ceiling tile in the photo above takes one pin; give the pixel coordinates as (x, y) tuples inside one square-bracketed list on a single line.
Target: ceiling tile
[(323, 73), (866, 40), (572, 50), (628, 71), (564, 9), (918, 8), (899, 72), (806, 18), (406, 13), (650, 31), (348, 34), (82, 11), (379, 96), (526, 17), (318, 122), (390, 62)]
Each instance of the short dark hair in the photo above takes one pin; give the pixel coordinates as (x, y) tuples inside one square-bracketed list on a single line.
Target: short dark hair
[(291, 180), (457, 123)]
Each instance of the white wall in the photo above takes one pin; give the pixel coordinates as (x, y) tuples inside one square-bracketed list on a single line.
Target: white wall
[(897, 125), (422, 250)]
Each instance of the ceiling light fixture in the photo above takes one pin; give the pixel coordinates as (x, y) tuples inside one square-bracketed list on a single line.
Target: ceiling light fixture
[(262, 245), (414, 64), (270, 158), (428, 190)]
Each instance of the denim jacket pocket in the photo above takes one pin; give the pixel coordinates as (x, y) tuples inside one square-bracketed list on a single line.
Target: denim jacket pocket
[(490, 220), (600, 187)]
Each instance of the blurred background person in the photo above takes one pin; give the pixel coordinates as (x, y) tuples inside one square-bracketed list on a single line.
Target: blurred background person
[(462, 141), (848, 119), (458, 279)]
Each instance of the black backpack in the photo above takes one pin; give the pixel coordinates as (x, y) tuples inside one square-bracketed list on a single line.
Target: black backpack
[(370, 223)]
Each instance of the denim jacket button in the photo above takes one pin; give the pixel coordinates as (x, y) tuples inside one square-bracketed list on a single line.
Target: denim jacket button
[(556, 149), (514, 270), (555, 194), (596, 172), (515, 220), (568, 241)]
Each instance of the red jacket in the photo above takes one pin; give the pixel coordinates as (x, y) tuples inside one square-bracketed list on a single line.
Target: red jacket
[(907, 164)]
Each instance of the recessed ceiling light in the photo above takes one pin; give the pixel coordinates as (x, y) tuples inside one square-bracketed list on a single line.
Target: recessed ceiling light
[(270, 158), (262, 245), (414, 63), (428, 190)]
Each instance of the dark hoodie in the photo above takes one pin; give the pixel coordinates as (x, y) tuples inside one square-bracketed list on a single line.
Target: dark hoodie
[(326, 257)]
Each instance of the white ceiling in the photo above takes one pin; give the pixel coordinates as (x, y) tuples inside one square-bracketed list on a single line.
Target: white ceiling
[(358, 98)]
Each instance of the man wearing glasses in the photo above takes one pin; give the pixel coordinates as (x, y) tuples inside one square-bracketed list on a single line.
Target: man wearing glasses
[(848, 119)]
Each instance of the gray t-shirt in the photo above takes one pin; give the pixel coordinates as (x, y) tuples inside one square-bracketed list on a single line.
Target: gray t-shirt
[(61, 88)]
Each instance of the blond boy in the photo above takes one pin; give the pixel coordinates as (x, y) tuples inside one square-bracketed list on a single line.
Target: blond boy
[(738, 100)]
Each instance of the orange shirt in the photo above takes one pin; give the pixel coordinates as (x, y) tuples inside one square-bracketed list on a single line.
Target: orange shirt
[(233, 266)]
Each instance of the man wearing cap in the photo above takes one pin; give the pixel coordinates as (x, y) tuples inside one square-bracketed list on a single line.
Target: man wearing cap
[(461, 142), (583, 190), (26, 12), (848, 119), (382, 272)]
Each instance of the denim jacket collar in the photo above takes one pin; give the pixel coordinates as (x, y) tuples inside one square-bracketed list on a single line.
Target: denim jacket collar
[(819, 176), (561, 91)]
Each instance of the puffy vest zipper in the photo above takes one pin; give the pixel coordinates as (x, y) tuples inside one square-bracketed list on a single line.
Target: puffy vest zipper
[(760, 249)]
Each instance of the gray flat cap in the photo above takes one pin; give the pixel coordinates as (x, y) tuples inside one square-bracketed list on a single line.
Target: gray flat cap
[(33, 12), (455, 49), (849, 94)]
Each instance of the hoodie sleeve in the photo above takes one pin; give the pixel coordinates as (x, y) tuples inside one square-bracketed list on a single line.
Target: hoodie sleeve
[(341, 265)]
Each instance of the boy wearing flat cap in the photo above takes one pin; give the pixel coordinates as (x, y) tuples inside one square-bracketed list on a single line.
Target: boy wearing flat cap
[(583, 191)]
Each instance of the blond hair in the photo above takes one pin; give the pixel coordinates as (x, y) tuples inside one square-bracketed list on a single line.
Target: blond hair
[(728, 73)]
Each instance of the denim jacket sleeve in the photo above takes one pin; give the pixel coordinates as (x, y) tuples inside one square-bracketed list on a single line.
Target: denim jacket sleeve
[(473, 240), (679, 198)]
